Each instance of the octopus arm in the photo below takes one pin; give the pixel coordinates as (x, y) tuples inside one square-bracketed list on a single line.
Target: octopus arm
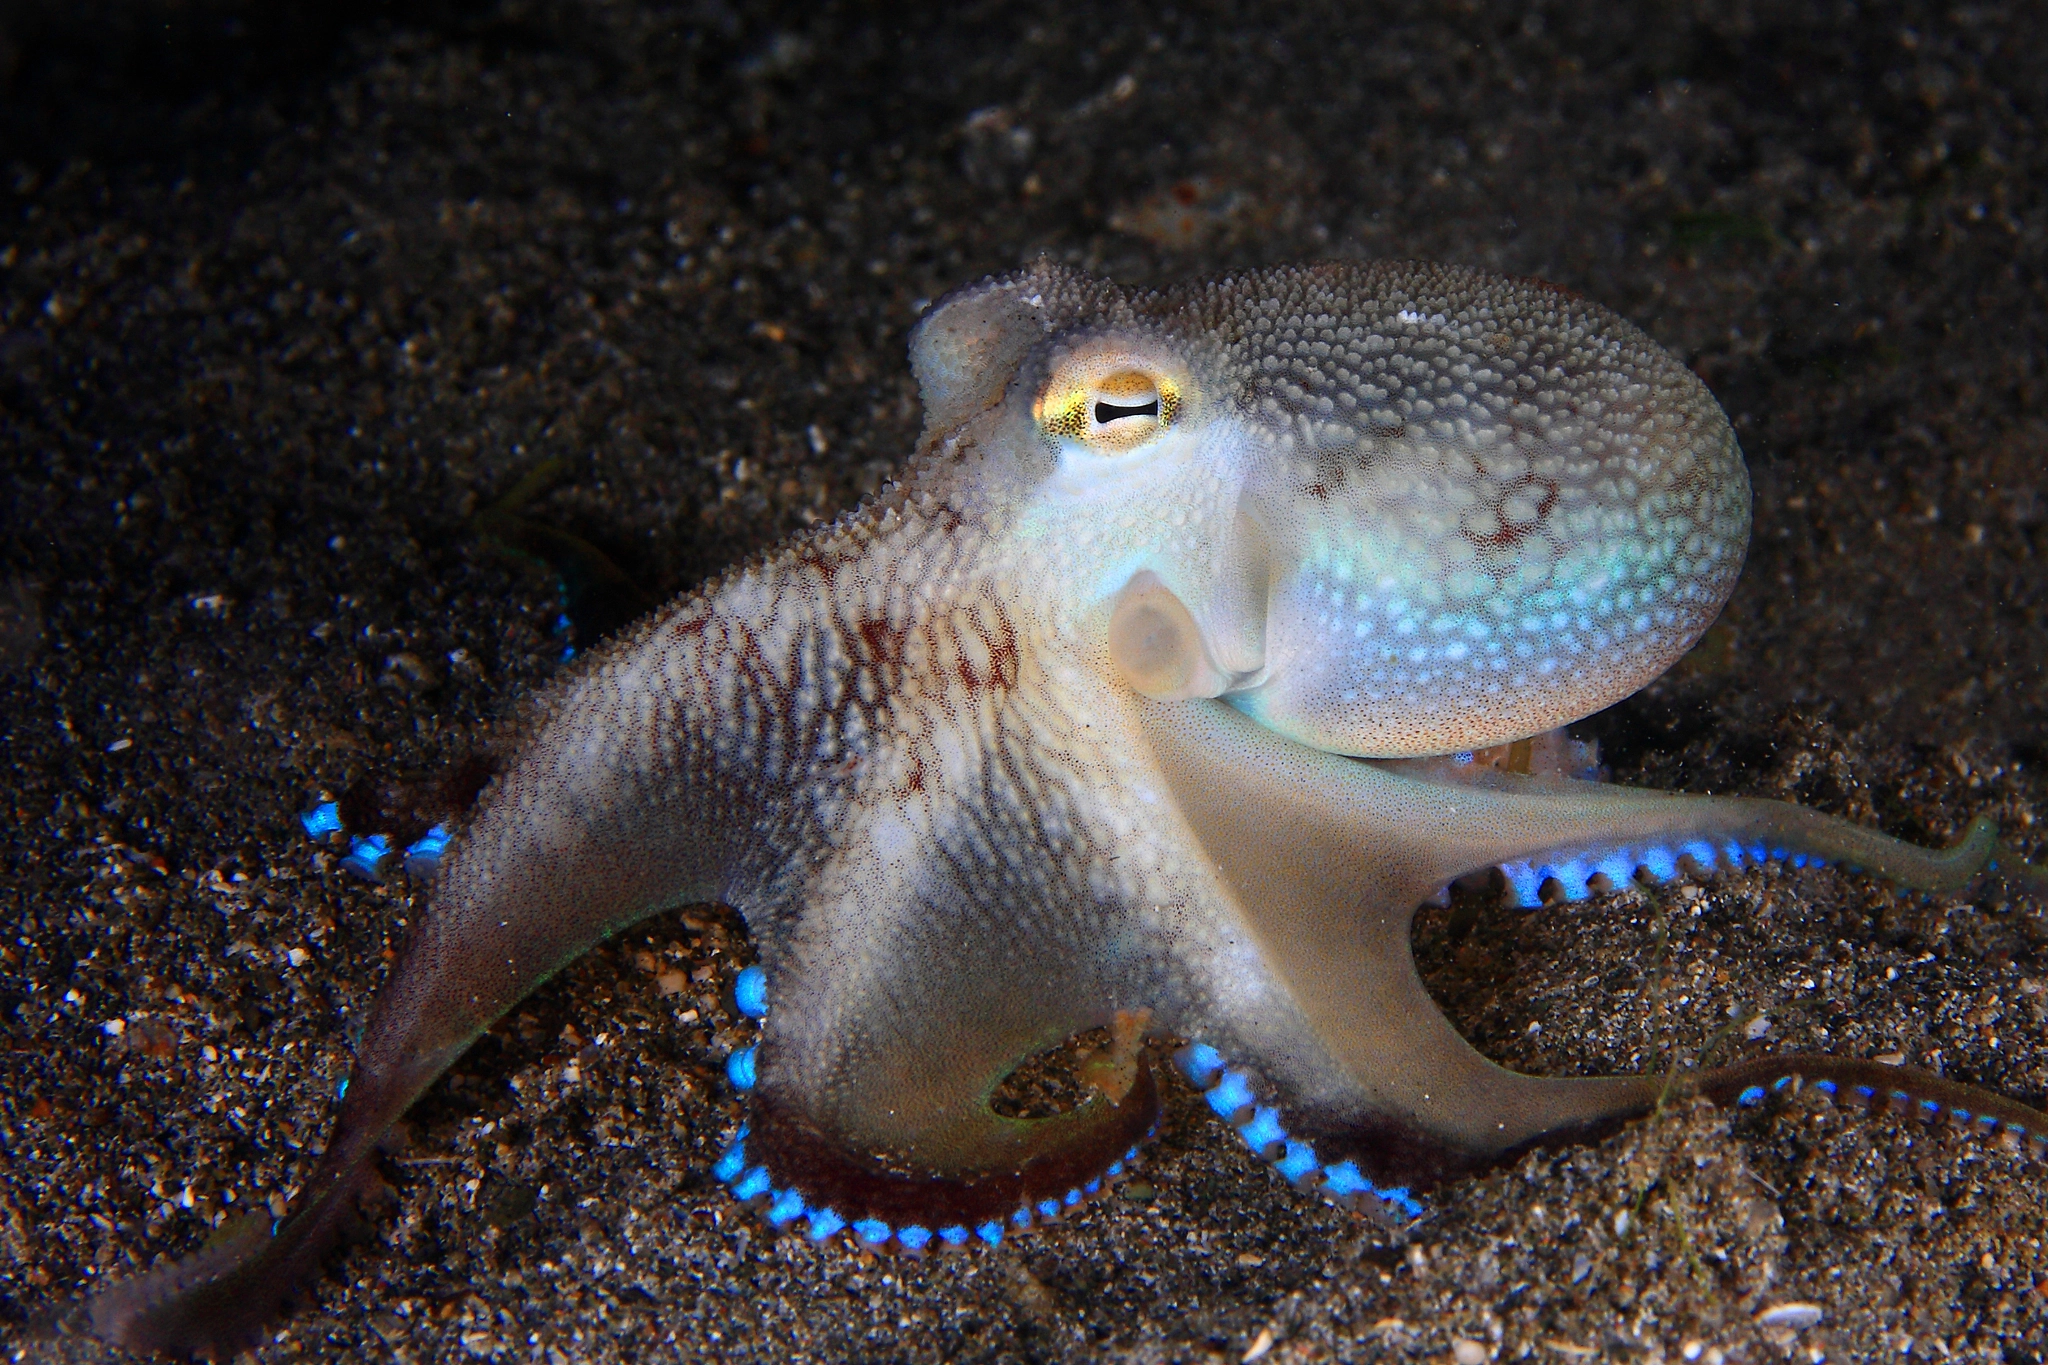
[(1323, 859), (606, 817), (914, 989)]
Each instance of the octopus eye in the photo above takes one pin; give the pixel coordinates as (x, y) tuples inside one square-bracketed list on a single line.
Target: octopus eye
[(1111, 409)]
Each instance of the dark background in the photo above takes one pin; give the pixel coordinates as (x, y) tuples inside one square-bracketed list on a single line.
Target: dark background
[(289, 293)]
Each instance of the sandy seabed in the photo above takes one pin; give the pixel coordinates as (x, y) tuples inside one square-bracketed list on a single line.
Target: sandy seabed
[(282, 305)]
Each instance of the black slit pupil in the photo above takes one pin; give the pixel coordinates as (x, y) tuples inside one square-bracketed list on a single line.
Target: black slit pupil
[(1105, 413)]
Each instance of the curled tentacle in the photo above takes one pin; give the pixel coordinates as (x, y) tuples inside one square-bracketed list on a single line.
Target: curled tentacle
[(967, 1175), (796, 1171)]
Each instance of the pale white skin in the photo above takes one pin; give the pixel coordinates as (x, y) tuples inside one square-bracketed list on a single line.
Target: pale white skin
[(1059, 733)]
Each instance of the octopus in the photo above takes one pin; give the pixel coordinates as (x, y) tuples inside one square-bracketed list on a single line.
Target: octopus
[(1206, 635)]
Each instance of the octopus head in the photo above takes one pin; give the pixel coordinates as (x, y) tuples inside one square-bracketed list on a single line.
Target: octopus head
[(1389, 510)]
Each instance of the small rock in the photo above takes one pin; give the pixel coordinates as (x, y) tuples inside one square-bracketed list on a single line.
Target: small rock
[(1791, 1316), (1465, 1351), (408, 670), (508, 1202), (152, 1038), (1760, 1217), (1031, 1296)]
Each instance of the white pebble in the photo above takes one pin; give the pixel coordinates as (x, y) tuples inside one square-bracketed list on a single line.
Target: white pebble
[(1792, 1316)]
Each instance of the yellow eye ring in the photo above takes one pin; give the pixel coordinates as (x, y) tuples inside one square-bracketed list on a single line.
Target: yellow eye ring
[(1107, 403)]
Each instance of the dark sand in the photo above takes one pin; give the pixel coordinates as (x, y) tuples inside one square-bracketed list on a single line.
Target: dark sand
[(285, 303)]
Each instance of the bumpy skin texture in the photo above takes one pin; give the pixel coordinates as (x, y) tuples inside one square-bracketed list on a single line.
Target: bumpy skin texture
[(1496, 508), (1066, 731)]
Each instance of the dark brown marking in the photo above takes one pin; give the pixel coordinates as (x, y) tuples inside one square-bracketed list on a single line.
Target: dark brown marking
[(1000, 640), (1513, 533), (882, 643), (827, 566)]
